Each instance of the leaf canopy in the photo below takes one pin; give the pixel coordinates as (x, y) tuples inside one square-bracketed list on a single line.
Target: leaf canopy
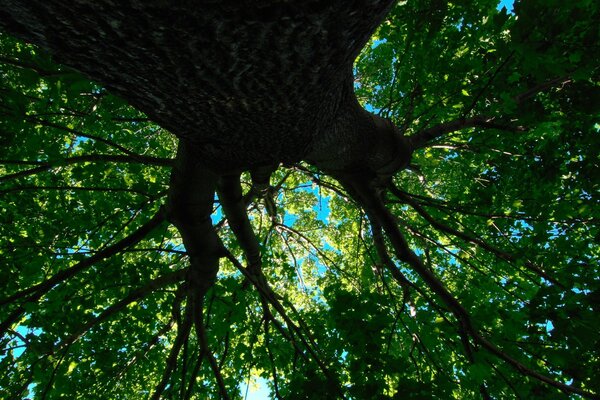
[(504, 213)]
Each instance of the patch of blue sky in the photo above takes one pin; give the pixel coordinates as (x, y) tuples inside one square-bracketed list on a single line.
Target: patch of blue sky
[(257, 390), (378, 42), (322, 207), (509, 4), (19, 345), (289, 219), (216, 216)]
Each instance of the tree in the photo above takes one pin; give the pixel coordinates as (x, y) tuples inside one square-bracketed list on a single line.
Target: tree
[(217, 204)]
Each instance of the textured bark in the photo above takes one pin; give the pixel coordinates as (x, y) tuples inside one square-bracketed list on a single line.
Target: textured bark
[(249, 83)]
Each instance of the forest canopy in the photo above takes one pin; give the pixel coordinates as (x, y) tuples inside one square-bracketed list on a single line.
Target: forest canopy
[(470, 271)]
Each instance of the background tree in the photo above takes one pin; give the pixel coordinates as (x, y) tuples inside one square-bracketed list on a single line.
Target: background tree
[(442, 247)]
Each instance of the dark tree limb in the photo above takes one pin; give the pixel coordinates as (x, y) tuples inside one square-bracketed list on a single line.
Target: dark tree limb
[(45, 166), (77, 189), (424, 137), (183, 332), (35, 292), (272, 360), (96, 138), (269, 296), (468, 238), (134, 295), (229, 189), (189, 208), (149, 345), (33, 67), (488, 83), (377, 211), (197, 299)]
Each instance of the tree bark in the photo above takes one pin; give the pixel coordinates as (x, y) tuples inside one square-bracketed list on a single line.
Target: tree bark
[(249, 83)]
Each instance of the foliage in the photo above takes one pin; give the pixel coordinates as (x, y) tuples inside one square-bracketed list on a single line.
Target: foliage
[(504, 212)]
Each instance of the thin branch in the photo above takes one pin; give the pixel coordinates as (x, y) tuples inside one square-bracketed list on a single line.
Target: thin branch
[(259, 282), (183, 332), (422, 138), (471, 239), (75, 188), (378, 211), (143, 352), (115, 308), (35, 292), (30, 66), (107, 142), (197, 300), (104, 158), (561, 80), (488, 83), (271, 358)]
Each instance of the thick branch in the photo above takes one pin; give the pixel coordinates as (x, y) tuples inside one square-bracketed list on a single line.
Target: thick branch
[(190, 204), (231, 198), (378, 212), (424, 137)]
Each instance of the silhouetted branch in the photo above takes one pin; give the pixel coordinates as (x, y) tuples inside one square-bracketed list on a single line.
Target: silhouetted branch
[(45, 166), (76, 189), (424, 137), (30, 66), (260, 283), (116, 307), (183, 332), (468, 238), (35, 292), (378, 211), (96, 138), (205, 350)]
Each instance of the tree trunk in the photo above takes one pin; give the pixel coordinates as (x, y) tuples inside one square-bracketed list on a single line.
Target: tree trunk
[(247, 83)]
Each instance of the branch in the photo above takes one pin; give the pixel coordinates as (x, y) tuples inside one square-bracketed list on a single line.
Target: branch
[(115, 308), (45, 166), (35, 292), (107, 142), (271, 358), (143, 352), (202, 339), (467, 238), (562, 80), (422, 138), (378, 212), (189, 208), (267, 294), (75, 188), (402, 280), (229, 189), (183, 332), (33, 67), (488, 83)]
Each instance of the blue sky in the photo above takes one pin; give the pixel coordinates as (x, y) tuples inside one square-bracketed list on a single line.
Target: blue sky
[(506, 3)]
